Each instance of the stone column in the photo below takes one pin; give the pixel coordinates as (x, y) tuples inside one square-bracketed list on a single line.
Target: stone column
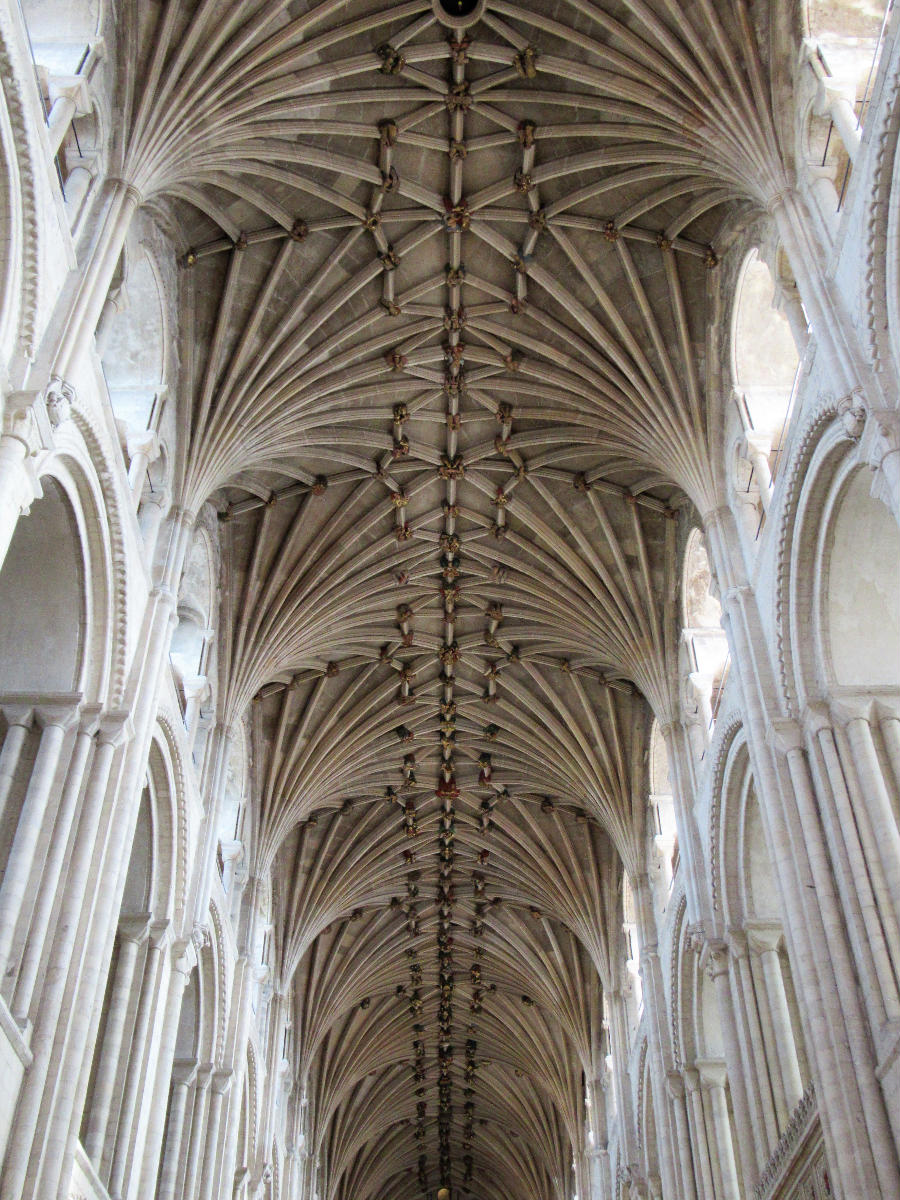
[(835, 1090), (87, 303), (817, 936), (182, 961), (55, 720), (143, 449), (88, 984), (69, 98), (700, 1141), (758, 1085), (221, 1081), (875, 795), (54, 864), (759, 447), (160, 933), (19, 720), (873, 934), (889, 720), (690, 849), (131, 935), (660, 1052), (114, 728), (619, 1046), (713, 1078), (197, 1132), (676, 1089), (184, 1071), (764, 938), (716, 962)]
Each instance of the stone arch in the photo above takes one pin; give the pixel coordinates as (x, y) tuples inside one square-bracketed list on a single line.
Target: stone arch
[(685, 997), (840, 551), (220, 962), (252, 1106), (56, 589), (679, 927), (822, 440), (882, 252), (728, 736), (210, 968), (166, 771), (19, 218)]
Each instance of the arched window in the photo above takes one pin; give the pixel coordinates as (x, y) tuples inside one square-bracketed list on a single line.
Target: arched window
[(705, 648), (664, 852), (841, 51), (765, 362), (42, 599), (192, 647), (131, 342), (632, 990), (67, 50), (860, 604)]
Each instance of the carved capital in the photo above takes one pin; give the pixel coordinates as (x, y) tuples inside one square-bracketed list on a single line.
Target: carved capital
[(20, 421), (713, 1073), (763, 936), (221, 1080), (784, 735), (134, 927), (184, 1071), (146, 442)]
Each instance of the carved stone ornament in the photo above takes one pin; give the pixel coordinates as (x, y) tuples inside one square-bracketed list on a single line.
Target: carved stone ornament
[(59, 397), (853, 415)]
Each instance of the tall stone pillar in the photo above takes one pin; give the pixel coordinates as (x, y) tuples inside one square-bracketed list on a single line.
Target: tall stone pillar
[(880, 809), (182, 959), (764, 938), (220, 1083), (184, 1071), (716, 963), (131, 936), (54, 864), (676, 1090), (36, 1100), (54, 720), (713, 1078), (763, 1120), (136, 1074), (816, 934), (197, 1138), (699, 1139), (93, 286)]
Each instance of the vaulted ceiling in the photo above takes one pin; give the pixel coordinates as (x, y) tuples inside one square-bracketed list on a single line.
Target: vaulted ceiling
[(446, 297)]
